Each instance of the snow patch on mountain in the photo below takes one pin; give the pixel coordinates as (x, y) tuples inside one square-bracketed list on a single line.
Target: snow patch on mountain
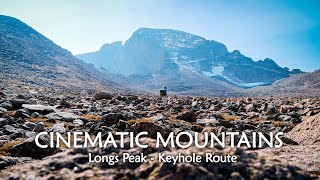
[(243, 84), (216, 71)]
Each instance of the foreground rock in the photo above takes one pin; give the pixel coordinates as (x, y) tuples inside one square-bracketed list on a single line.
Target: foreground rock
[(307, 132), (28, 148), (188, 116), (102, 95), (39, 108), (73, 164), (305, 156), (64, 116), (81, 111), (151, 128), (6, 161), (112, 118)]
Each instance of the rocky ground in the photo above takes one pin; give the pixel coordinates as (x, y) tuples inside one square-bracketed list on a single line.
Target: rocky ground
[(25, 111)]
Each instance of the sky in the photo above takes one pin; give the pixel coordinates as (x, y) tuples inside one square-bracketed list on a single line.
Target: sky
[(287, 31)]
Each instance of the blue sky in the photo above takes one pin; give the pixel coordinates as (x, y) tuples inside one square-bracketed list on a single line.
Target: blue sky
[(284, 30)]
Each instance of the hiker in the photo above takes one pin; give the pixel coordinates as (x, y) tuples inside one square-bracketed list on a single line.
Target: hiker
[(163, 95)]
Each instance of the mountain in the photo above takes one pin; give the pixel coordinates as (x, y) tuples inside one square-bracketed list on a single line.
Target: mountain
[(27, 56), (299, 85), (165, 52), (150, 59)]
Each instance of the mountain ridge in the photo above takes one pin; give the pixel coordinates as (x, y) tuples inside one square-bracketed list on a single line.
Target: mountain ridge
[(29, 57), (150, 51), (298, 85)]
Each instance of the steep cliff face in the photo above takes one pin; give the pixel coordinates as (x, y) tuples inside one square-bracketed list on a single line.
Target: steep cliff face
[(152, 51)]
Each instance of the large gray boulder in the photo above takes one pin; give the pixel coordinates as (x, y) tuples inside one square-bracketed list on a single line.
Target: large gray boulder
[(39, 108), (28, 148)]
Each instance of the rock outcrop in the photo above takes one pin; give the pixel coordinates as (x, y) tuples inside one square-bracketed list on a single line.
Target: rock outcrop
[(307, 132)]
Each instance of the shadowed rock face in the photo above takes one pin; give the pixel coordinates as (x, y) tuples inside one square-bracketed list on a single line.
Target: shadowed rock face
[(151, 51), (28, 148)]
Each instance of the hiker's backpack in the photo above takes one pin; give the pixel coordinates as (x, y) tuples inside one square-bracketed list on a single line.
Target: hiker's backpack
[(162, 93)]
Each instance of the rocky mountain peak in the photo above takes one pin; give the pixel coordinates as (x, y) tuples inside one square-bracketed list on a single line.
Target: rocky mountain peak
[(270, 62), (296, 71), (174, 39), (150, 52), (116, 44), (236, 53)]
